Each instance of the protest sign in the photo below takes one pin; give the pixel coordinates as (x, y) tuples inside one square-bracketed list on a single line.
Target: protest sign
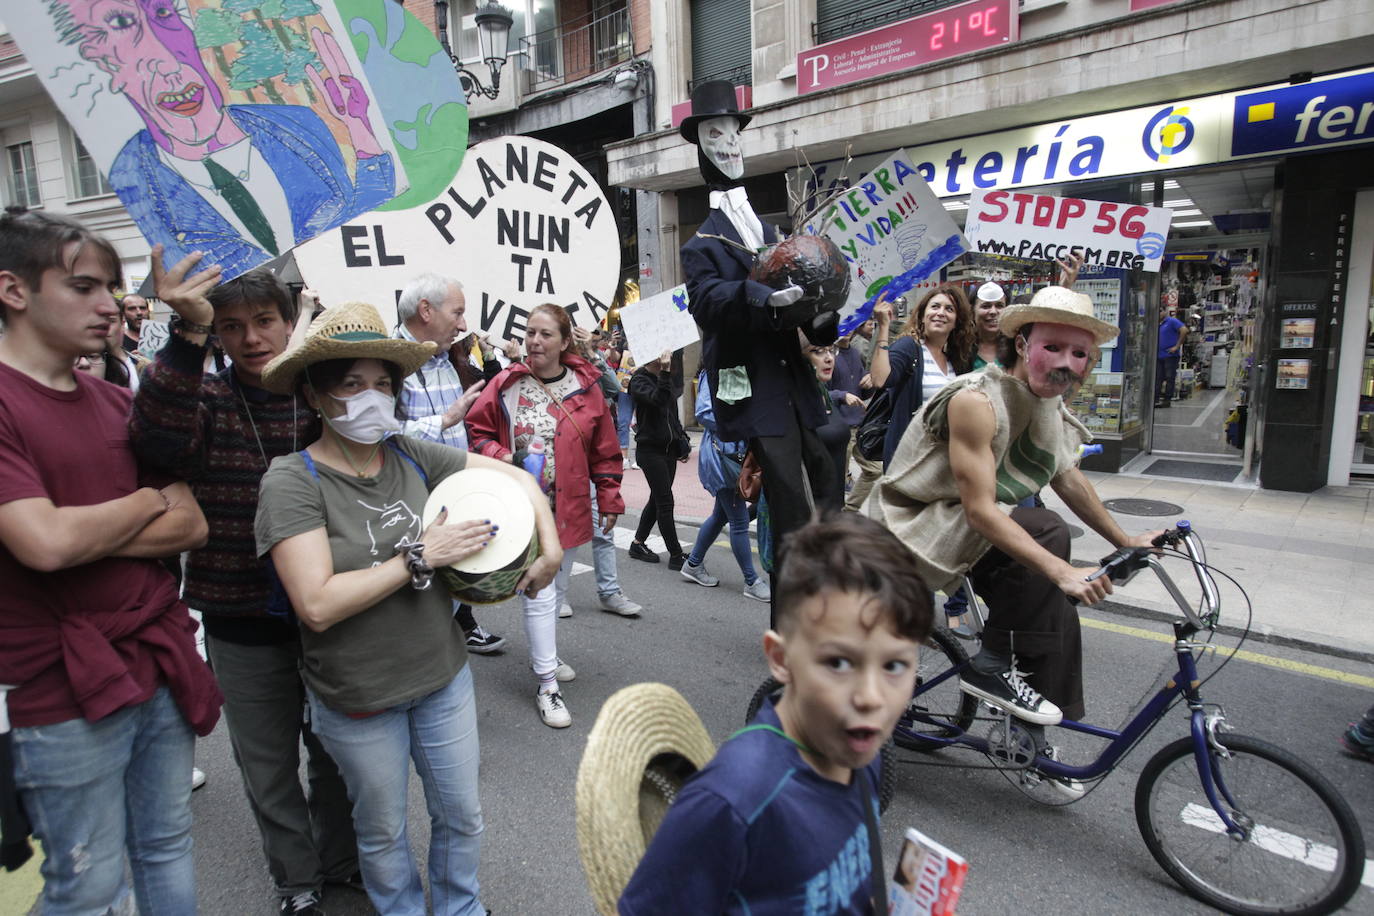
[(522, 224), (1040, 227), (242, 128), (660, 322), (892, 230)]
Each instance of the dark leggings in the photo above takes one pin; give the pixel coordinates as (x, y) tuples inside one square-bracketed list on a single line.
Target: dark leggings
[(659, 470)]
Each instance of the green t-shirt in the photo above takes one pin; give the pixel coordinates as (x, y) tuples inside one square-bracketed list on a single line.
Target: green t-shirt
[(408, 644)]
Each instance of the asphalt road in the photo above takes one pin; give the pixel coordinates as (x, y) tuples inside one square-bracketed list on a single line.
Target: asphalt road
[(1087, 858)]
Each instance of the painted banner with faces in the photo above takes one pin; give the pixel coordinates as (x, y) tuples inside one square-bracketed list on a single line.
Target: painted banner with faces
[(242, 129), (522, 224), (893, 231)]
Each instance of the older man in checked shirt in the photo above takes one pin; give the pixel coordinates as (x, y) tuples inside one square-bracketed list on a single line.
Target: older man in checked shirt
[(435, 399)]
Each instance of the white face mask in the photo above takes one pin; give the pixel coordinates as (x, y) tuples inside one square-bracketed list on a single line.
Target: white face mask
[(719, 139), (368, 418)]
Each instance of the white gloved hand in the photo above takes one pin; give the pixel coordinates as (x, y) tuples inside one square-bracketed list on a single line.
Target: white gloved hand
[(786, 296)]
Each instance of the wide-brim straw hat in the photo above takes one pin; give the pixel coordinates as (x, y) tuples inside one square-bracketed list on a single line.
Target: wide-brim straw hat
[(1057, 305), (353, 330), (646, 742)]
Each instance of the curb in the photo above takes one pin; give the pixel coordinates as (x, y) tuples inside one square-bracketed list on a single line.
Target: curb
[(1147, 613)]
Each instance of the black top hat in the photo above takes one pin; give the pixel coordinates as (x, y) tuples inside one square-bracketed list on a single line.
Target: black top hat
[(711, 100)]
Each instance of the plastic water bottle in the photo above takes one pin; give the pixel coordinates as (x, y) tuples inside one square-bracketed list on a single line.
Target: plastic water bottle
[(535, 459), (1085, 450)]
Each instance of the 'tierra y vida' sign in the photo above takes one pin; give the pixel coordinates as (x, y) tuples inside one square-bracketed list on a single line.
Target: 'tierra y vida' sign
[(521, 224)]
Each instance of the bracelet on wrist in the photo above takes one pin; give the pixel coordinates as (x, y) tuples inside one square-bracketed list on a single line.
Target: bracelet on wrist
[(421, 573), (178, 323)]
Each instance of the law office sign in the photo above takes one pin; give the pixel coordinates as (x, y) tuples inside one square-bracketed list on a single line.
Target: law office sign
[(948, 32)]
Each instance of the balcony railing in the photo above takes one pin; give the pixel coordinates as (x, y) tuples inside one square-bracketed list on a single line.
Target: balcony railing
[(578, 49)]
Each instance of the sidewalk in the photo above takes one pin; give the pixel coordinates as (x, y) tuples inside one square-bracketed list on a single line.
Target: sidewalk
[(1305, 559)]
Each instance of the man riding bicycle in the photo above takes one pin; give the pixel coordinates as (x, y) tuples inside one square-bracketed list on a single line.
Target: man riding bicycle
[(984, 443)]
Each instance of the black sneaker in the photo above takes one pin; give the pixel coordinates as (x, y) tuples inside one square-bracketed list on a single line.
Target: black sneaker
[(639, 552), (303, 904), (481, 642), (676, 560), (1006, 690)]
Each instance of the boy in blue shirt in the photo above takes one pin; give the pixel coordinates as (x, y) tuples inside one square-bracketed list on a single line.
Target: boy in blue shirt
[(776, 822)]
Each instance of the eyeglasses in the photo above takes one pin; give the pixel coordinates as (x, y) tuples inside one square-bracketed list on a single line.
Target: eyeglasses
[(821, 351), (95, 357)]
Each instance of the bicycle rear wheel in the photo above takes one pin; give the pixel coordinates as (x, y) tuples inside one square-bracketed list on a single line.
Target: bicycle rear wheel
[(1304, 853), (943, 710)]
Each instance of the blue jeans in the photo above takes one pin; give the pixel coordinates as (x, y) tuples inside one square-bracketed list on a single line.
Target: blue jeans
[(729, 507), (624, 412), (96, 789), (439, 733), (603, 554)]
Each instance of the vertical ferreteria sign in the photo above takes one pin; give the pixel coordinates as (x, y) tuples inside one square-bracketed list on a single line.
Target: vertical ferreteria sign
[(910, 43)]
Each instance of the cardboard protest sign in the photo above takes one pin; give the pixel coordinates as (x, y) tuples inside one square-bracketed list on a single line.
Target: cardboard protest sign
[(242, 128), (660, 322), (522, 224), (1041, 227), (893, 231)]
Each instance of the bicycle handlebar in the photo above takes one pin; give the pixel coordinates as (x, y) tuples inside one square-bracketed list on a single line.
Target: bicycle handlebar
[(1122, 565)]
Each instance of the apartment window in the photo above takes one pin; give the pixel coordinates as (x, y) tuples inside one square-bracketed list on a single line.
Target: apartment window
[(838, 18), (86, 178), (722, 42), (23, 175)]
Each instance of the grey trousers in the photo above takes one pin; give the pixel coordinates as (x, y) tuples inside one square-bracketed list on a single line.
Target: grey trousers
[(307, 836)]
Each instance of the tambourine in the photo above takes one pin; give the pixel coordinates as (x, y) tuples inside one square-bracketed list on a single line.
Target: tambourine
[(490, 575)]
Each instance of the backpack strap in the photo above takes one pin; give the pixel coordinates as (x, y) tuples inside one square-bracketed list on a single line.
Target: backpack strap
[(391, 443)]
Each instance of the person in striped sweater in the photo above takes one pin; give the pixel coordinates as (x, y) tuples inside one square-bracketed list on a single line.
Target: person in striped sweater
[(219, 431)]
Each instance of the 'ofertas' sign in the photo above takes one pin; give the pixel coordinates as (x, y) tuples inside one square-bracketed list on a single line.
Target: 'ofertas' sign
[(522, 224)]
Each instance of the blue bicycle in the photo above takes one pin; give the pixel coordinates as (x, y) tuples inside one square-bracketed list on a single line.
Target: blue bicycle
[(1241, 824)]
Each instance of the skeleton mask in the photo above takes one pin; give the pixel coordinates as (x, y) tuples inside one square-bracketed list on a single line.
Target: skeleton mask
[(719, 141)]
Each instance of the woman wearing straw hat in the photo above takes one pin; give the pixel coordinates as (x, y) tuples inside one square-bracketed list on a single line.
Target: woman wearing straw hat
[(384, 661), (553, 396)]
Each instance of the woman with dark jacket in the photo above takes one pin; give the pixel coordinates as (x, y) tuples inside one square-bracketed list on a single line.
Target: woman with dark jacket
[(660, 444)]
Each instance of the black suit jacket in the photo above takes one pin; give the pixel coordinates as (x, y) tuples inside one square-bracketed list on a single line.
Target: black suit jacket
[(740, 329)]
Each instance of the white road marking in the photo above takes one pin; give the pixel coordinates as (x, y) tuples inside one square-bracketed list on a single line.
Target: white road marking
[(1279, 842)]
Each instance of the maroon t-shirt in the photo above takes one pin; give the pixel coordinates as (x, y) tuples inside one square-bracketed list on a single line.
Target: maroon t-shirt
[(84, 641)]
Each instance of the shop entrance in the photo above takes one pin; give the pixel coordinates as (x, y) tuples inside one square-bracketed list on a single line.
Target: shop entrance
[(1204, 426)]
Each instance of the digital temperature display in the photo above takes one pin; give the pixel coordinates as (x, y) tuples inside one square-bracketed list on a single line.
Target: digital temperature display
[(948, 32)]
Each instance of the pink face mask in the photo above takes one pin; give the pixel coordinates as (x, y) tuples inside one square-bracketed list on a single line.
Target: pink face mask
[(1057, 356)]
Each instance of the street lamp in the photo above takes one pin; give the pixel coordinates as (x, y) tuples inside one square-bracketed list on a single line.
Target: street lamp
[(493, 33)]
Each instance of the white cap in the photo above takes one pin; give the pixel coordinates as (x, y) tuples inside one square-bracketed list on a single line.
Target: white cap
[(990, 292)]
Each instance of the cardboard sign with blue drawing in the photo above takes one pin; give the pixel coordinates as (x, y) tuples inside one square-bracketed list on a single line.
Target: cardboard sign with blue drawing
[(660, 322), (240, 128), (893, 231)]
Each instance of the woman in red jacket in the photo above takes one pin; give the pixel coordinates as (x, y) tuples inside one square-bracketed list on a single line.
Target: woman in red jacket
[(553, 396)]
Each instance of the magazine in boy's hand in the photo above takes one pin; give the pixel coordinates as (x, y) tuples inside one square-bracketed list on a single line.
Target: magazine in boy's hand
[(928, 880)]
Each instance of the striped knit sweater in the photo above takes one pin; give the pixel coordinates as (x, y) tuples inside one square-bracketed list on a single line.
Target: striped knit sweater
[(197, 427)]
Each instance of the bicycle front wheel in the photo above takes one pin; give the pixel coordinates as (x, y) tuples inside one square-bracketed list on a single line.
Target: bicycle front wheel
[(943, 710), (1304, 852)]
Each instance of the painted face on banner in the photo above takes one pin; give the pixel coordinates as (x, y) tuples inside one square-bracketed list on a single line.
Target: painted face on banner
[(150, 54), (719, 139)]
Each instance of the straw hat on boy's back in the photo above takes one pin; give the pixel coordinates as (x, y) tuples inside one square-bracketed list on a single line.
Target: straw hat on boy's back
[(354, 330)]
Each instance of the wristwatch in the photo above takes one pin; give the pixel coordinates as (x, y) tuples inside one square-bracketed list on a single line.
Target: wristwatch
[(177, 323)]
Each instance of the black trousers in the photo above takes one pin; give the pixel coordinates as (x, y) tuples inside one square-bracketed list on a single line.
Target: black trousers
[(660, 471), (789, 462), (1029, 616)]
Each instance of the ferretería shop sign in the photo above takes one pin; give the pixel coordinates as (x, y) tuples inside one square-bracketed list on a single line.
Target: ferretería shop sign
[(1327, 112)]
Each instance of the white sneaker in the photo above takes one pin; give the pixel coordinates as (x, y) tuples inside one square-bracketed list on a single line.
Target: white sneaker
[(565, 609), (552, 709), (1069, 789), (759, 591), (619, 604), (197, 778)]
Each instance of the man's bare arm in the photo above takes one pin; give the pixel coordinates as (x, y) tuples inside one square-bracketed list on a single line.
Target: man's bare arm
[(1078, 494), (971, 428), (47, 538), (181, 527)]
